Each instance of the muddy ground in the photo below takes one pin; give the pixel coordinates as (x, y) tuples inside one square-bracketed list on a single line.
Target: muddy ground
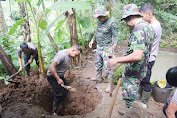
[(32, 97)]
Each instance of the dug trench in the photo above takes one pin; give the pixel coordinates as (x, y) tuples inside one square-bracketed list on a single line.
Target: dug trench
[(32, 97)]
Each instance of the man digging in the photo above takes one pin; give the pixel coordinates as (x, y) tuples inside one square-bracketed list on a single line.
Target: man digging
[(106, 36), (135, 60), (56, 71), (30, 52)]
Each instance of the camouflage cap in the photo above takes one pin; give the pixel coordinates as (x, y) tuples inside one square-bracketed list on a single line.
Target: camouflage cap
[(131, 9), (100, 11)]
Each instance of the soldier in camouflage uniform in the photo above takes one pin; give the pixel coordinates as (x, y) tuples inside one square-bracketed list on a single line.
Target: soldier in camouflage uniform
[(137, 54), (106, 36)]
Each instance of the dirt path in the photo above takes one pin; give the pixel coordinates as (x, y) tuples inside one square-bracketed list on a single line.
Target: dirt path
[(165, 60)]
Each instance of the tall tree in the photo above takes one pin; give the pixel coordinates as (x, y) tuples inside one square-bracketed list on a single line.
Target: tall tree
[(48, 34), (25, 24), (3, 28), (7, 62), (71, 21), (3, 56)]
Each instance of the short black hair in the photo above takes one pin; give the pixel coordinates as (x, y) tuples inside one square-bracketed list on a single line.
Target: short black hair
[(78, 47), (171, 76), (23, 46), (147, 8)]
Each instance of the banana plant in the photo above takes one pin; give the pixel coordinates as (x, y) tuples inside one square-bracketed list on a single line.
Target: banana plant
[(38, 22)]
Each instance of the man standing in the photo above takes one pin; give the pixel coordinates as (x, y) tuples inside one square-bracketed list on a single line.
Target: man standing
[(106, 36), (29, 50), (147, 11), (56, 71), (137, 55)]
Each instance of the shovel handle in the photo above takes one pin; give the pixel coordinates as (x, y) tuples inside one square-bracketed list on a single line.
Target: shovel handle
[(114, 97), (69, 88), (16, 72)]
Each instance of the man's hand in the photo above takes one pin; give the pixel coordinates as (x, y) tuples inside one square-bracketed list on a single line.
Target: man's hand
[(60, 81), (20, 69), (30, 60), (113, 47), (91, 43), (112, 62)]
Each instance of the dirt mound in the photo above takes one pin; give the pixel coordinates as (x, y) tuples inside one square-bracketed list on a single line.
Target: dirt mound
[(2, 85), (83, 101), (29, 90), (36, 92)]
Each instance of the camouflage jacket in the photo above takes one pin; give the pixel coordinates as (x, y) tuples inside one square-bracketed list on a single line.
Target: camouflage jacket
[(141, 37), (104, 33)]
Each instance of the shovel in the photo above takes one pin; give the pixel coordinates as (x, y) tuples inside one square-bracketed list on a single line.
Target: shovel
[(16, 73), (69, 88)]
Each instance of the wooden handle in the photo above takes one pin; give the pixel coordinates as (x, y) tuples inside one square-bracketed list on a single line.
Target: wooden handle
[(114, 97), (16, 72), (69, 88)]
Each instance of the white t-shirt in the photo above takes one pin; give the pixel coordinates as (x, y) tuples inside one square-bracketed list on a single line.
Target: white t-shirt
[(158, 32), (62, 59)]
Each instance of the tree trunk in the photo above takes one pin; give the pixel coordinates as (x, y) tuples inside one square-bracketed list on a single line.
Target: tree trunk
[(49, 35), (71, 21), (3, 28), (7, 62), (25, 25)]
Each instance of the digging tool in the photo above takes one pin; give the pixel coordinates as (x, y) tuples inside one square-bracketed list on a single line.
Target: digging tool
[(69, 88), (16, 73), (114, 97)]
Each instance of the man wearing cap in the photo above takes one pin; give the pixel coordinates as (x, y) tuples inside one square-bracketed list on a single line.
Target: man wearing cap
[(137, 55), (30, 52), (106, 36), (147, 11)]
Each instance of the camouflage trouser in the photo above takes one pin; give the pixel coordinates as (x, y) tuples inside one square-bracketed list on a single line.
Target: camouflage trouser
[(130, 88), (100, 58)]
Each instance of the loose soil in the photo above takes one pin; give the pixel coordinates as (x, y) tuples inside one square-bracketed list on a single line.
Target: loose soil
[(32, 97)]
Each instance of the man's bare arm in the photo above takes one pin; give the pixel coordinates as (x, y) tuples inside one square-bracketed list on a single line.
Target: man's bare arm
[(131, 58), (171, 109)]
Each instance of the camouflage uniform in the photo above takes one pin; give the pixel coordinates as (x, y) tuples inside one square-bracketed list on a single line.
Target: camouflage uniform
[(103, 36), (141, 38)]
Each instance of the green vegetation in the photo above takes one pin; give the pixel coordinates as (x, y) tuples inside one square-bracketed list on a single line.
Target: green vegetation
[(57, 25), (118, 74)]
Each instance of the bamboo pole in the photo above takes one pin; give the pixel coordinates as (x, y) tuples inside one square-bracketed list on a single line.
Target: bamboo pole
[(114, 98)]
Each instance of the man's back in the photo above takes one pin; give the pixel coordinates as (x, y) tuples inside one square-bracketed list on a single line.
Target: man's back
[(62, 59), (158, 32)]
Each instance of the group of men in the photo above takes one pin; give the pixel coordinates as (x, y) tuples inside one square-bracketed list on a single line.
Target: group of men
[(143, 44)]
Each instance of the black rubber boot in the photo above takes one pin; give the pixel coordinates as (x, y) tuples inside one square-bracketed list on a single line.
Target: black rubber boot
[(140, 91), (27, 73), (55, 108), (145, 97)]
